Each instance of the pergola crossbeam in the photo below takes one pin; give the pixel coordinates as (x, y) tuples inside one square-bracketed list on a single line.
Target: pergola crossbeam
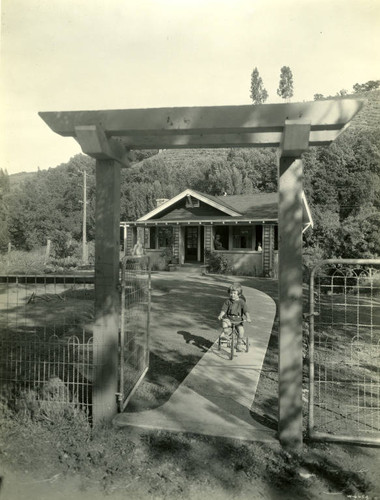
[(210, 126)]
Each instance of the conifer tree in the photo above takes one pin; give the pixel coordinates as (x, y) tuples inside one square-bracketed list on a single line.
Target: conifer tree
[(258, 93), (285, 88)]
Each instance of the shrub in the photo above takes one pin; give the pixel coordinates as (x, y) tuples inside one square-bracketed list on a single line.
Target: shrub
[(218, 263), (21, 262), (167, 255), (63, 244), (311, 256), (33, 262), (73, 260), (158, 264), (77, 253)]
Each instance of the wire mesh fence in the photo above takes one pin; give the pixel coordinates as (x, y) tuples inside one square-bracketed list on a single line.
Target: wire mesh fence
[(134, 330), (46, 341), (344, 355)]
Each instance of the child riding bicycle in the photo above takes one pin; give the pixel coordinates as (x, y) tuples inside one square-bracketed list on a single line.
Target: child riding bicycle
[(234, 310)]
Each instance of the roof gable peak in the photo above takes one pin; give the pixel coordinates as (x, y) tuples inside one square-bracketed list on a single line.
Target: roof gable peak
[(212, 201)]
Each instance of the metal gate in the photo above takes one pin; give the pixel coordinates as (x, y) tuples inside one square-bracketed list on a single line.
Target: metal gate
[(344, 372), (134, 326)]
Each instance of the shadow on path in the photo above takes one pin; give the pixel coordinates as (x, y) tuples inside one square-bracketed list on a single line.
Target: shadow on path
[(196, 340)]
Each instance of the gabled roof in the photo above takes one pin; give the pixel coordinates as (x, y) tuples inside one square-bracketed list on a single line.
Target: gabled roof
[(258, 207), (263, 206), (210, 200)]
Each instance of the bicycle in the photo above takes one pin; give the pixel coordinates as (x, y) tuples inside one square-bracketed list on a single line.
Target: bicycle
[(232, 339)]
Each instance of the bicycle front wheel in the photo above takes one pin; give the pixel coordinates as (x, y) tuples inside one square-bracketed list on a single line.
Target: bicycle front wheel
[(232, 352)]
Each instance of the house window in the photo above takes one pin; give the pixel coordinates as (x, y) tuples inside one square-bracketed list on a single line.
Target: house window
[(165, 237), (152, 237), (259, 238), (159, 237), (275, 237), (221, 238), (242, 237)]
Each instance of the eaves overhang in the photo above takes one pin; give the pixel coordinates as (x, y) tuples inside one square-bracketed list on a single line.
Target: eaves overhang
[(199, 222)]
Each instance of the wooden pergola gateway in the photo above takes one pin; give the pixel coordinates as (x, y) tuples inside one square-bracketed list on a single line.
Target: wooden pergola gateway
[(110, 136)]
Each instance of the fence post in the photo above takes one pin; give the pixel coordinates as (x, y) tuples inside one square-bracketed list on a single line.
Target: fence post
[(107, 301)]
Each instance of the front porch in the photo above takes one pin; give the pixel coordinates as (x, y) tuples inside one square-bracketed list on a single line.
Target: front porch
[(251, 249)]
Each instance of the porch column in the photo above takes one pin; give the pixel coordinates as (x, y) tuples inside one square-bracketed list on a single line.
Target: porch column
[(124, 238), (176, 243), (295, 141), (267, 250), (208, 239), (181, 245), (131, 239)]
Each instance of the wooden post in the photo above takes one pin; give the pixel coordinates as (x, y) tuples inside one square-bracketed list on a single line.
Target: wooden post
[(295, 141), (124, 240), (107, 302)]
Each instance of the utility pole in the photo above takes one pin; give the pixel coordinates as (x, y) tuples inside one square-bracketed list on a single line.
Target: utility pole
[(84, 236)]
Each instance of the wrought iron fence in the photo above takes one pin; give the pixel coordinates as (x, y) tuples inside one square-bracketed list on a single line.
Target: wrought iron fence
[(344, 355), (46, 341), (134, 328)]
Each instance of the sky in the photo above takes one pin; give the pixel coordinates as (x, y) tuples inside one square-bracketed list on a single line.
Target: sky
[(63, 55)]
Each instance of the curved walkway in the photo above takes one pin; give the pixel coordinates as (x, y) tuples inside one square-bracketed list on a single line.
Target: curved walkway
[(217, 395)]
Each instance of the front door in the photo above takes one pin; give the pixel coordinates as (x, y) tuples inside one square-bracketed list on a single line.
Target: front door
[(191, 243)]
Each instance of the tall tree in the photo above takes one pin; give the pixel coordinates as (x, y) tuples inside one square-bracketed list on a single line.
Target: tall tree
[(258, 93), (285, 88)]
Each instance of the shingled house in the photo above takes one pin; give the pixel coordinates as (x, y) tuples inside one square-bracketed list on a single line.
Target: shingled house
[(242, 227)]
